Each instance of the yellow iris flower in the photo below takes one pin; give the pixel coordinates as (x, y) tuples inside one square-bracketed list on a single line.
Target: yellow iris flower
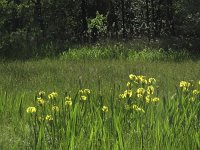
[(68, 103), (136, 108), (83, 98), (53, 95), (31, 110), (105, 109), (55, 108)]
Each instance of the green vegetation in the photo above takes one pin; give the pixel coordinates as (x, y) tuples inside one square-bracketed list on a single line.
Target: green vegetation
[(104, 74), (170, 123), (125, 52), (44, 27)]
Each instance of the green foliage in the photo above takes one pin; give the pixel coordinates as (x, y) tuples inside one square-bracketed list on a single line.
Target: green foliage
[(98, 22), (29, 25), (124, 52)]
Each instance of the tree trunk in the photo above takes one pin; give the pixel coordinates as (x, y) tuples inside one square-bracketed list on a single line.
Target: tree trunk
[(15, 20), (153, 16), (38, 14), (170, 16), (147, 19), (84, 20), (123, 19), (158, 25)]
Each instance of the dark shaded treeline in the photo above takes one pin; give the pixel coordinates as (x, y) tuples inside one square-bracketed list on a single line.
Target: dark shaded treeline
[(35, 26)]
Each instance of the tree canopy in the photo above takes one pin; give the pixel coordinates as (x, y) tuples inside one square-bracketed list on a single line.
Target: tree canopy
[(36, 24)]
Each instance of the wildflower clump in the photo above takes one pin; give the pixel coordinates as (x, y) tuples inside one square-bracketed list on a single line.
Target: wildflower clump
[(49, 118), (83, 98), (68, 98), (55, 108), (31, 110), (40, 101), (128, 84), (190, 90), (155, 99), (138, 109), (122, 96), (195, 92), (105, 109), (128, 93), (142, 79), (84, 91), (132, 77), (152, 81), (68, 101), (150, 90), (84, 94), (41, 94), (148, 99), (140, 92), (53, 95), (185, 85)]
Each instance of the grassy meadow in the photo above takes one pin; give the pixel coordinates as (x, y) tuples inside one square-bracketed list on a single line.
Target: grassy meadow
[(101, 103)]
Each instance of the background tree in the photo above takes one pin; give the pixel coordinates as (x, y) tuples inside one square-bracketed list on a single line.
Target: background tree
[(46, 27)]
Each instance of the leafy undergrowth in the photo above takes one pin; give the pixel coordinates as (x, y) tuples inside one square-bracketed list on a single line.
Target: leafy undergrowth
[(121, 51)]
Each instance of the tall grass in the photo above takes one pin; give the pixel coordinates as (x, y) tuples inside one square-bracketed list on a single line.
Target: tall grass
[(171, 123), (131, 122), (48, 74)]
